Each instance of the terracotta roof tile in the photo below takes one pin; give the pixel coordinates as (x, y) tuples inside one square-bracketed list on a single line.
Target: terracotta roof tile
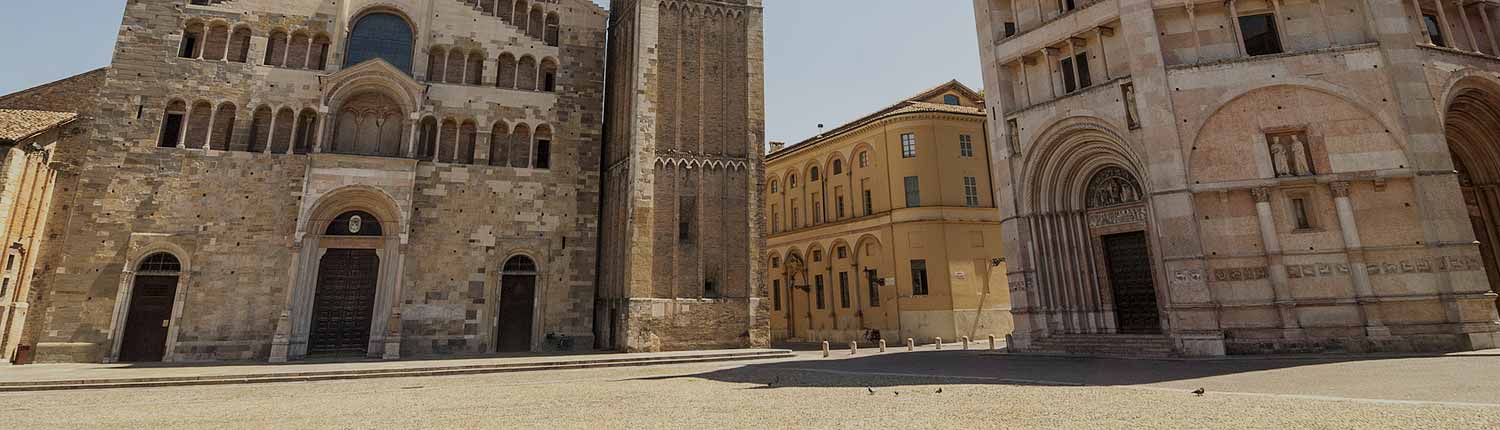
[(17, 124)]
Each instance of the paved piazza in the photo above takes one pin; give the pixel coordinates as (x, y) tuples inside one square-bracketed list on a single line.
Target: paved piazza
[(980, 390)]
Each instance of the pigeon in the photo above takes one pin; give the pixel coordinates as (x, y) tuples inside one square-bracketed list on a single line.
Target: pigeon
[(1199, 392), (940, 391), (898, 393), (871, 390)]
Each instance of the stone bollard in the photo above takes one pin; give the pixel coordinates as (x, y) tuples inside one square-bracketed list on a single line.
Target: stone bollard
[(939, 343), (910, 345), (853, 347), (992, 342), (825, 349), (966, 343), (882, 345)]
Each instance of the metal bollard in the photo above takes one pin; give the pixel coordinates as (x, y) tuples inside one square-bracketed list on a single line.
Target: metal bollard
[(910, 344), (992, 342), (966, 343), (882, 345), (825, 349), (853, 347), (939, 343)]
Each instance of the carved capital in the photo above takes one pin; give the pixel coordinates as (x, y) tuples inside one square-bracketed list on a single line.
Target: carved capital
[(1340, 188), (1261, 194)]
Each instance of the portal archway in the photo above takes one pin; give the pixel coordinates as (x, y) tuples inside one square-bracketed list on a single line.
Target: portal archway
[(149, 315), (1471, 125), (517, 308)]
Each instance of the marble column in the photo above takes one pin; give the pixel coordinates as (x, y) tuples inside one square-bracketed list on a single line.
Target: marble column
[(1286, 303), (1363, 292)]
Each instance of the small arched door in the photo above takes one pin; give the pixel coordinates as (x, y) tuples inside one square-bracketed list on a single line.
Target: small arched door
[(150, 313), (517, 305), (344, 301)]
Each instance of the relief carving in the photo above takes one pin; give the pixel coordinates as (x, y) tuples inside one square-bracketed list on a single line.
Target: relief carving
[(1239, 274), (1118, 217), (1426, 265), (1112, 186)]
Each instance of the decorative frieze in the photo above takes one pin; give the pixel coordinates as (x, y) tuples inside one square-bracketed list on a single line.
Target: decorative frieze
[(1317, 270), (1118, 217), (1426, 265), (1234, 274)]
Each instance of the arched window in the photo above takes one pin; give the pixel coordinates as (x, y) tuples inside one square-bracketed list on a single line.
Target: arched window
[(428, 138), (505, 75), (519, 14), (282, 130), (223, 128), (500, 144), (214, 45), (239, 45), (813, 174), (549, 75), (553, 29), (537, 28), (192, 41), (774, 189), (506, 11), (307, 132), (791, 181), (520, 146), (526, 75), (354, 223), (297, 51), (864, 159), (381, 35), (436, 60), (171, 124), (319, 53), (950, 100), (447, 141), (474, 72), (276, 49), (468, 136), (199, 124), (542, 158), (456, 60), (260, 130), (160, 262), (838, 167)]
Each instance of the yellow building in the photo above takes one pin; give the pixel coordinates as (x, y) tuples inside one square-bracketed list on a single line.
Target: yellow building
[(886, 227)]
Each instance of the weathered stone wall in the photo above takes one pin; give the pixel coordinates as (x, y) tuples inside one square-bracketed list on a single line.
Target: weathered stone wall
[(73, 94), (690, 161), (233, 216)]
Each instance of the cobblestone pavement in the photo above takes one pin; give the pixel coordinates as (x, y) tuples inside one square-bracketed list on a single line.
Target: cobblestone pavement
[(979, 390)]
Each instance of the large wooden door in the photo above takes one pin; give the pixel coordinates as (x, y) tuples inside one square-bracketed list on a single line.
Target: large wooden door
[(517, 302), (1129, 261), (148, 318), (344, 302)]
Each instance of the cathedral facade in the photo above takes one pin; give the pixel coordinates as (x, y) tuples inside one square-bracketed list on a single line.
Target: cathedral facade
[(276, 180), (1246, 176)]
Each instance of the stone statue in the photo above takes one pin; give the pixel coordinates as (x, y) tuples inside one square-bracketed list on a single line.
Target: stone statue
[(1299, 157), (1279, 158)]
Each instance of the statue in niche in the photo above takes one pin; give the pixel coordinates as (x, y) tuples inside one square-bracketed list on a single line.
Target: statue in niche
[(1289, 155), (1127, 92), (1112, 186)]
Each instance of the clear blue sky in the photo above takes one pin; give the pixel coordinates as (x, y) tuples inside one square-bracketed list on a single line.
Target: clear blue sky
[(827, 61)]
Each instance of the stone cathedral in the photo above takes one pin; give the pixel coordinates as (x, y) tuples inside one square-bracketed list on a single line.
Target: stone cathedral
[(276, 180)]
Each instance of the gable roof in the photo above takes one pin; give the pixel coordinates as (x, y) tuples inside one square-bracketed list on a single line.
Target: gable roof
[(909, 105), (19, 124)]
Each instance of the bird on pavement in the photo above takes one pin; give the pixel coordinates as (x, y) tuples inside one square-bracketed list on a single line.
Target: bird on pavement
[(1199, 392), (940, 391), (898, 393), (871, 390)]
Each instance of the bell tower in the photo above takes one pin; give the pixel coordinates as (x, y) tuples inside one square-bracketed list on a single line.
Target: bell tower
[(681, 229)]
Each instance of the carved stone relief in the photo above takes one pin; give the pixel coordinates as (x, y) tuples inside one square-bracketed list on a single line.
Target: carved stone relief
[(1290, 154), (1117, 217), (1112, 186), (1239, 274)]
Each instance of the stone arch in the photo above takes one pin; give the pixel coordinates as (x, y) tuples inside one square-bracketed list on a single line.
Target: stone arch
[(526, 70), (223, 126), (281, 130), (454, 65), (468, 137), (260, 129), (863, 246), (520, 145), (812, 171), (536, 26), (437, 61), (506, 11), (1471, 126), (427, 137), (351, 198), (505, 72), (541, 148), (500, 144), (217, 40), (448, 138), (474, 69), (835, 165), (153, 260), (194, 33), (298, 49), (321, 45), (200, 118), (276, 48), (1338, 132), (554, 29), (1052, 172), (239, 44), (306, 134), (520, 15), (548, 75)]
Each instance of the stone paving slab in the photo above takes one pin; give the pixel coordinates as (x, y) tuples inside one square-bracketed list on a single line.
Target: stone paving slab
[(77, 375)]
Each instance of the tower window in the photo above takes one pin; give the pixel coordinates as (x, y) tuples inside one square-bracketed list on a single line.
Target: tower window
[(1434, 29), (1260, 35)]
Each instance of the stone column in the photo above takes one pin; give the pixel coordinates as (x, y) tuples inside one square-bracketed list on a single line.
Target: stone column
[(182, 129), (482, 142), (1025, 83), (437, 143), (1443, 21), (271, 129), (1073, 64), (1104, 59), (1484, 15), (1286, 304), (208, 138), (1047, 61), (1356, 254), (323, 128), (1416, 5), (307, 58), (1234, 24), (291, 146), (413, 122), (229, 40), (1463, 15)]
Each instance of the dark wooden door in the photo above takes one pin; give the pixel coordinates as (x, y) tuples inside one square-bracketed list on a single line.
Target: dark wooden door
[(147, 320), (1129, 262), (344, 302), (517, 299)]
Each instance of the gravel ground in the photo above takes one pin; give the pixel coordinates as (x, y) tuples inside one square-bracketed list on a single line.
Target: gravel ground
[(802, 394)]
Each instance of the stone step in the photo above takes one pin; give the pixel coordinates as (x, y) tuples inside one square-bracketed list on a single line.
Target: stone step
[(562, 363)]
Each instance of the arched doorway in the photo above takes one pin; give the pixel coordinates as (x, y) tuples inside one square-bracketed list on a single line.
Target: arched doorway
[(381, 35), (1472, 127), (517, 305), (795, 279), (344, 300), (150, 312), (1116, 210)]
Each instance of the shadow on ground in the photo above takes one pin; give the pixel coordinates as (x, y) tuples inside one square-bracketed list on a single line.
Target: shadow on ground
[(971, 367)]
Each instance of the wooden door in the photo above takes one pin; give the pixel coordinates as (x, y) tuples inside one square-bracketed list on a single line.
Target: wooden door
[(344, 303), (1129, 261), (517, 301), (148, 318)]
